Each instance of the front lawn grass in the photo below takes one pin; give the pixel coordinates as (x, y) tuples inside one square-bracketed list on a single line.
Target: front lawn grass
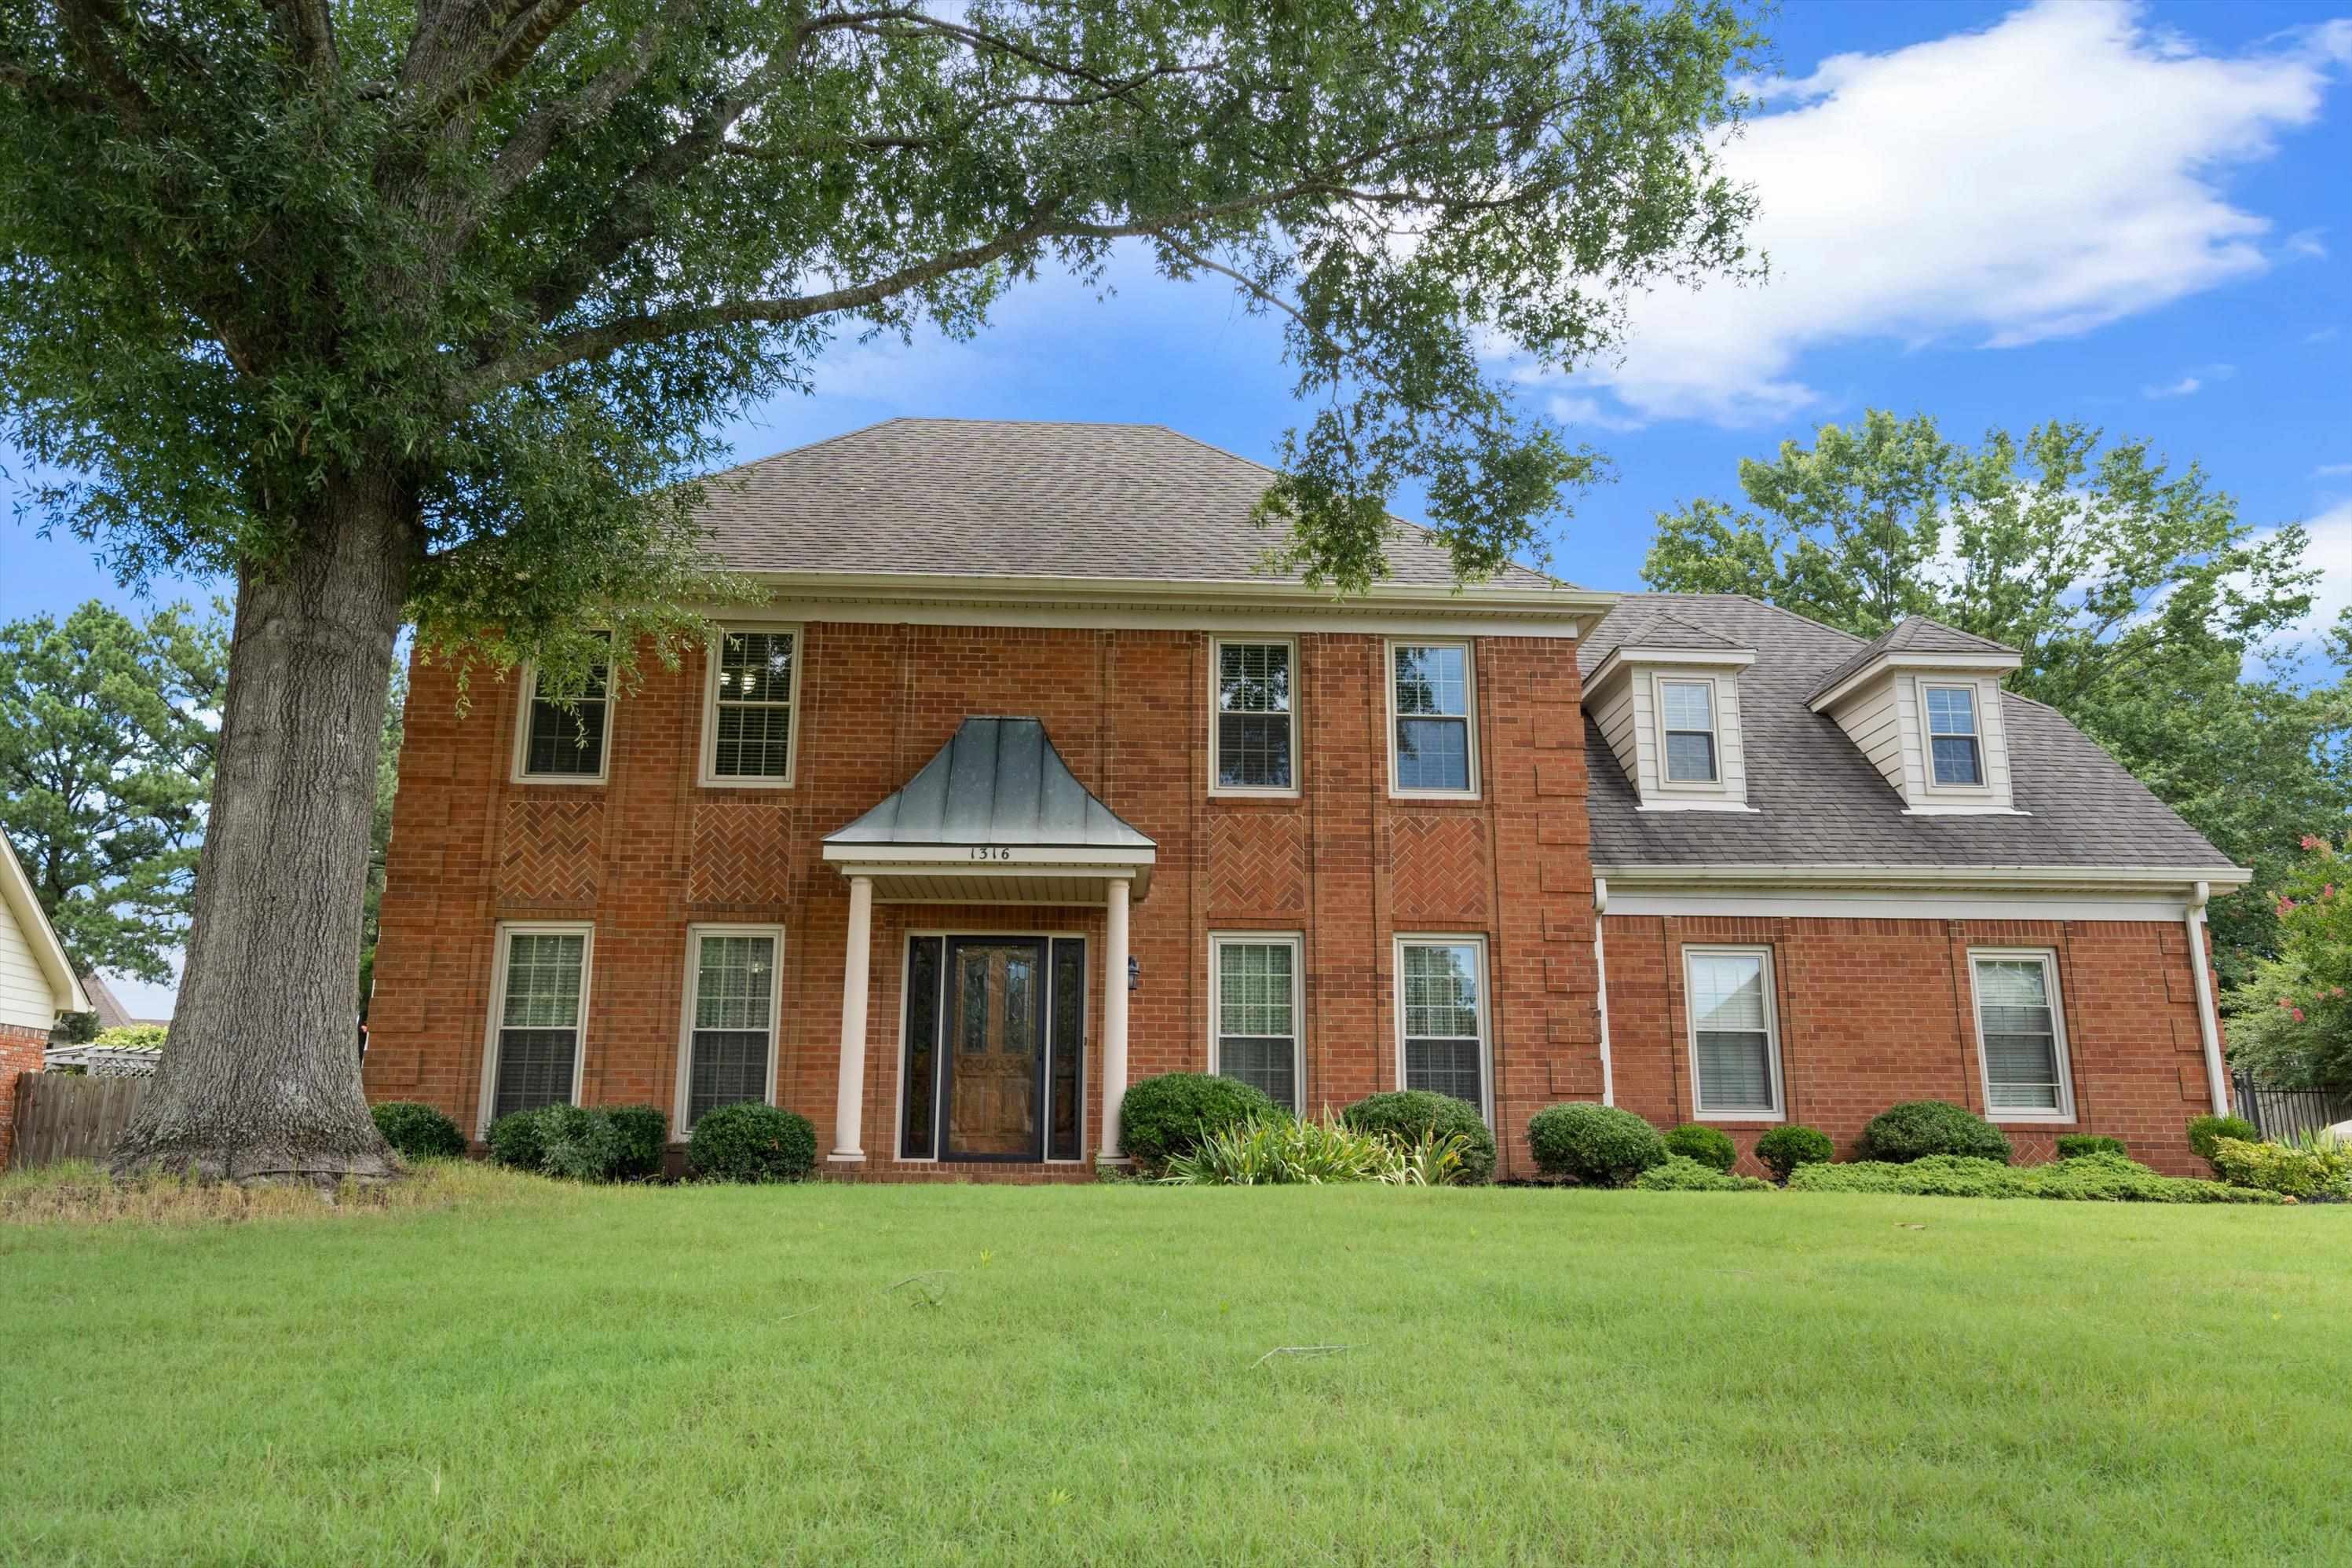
[(532, 1374)]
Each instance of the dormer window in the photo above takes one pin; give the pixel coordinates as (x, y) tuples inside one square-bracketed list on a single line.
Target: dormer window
[(1952, 740), (1689, 710)]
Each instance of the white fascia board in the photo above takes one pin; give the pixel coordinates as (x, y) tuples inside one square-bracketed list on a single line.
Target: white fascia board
[(1915, 665), (1012, 860)]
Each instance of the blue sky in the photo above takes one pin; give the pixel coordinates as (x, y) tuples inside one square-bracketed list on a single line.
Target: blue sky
[(2139, 216)]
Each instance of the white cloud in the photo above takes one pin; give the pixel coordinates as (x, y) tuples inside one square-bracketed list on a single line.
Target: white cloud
[(2331, 470), (2304, 245), (2046, 176), (2186, 386), (2331, 552)]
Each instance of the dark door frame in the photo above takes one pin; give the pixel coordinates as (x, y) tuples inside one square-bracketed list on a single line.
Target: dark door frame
[(1048, 941)]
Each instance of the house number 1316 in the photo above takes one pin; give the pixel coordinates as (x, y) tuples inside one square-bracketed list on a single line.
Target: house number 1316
[(990, 853)]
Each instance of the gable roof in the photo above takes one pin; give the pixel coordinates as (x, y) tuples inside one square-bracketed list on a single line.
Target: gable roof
[(18, 899), (1661, 629), (1913, 634), (996, 781), (1023, 498), (1819, 800), (111, 1013)]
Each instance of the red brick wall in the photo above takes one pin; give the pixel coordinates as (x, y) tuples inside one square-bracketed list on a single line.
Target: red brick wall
[(20, 1052), (1872, 1012), (649, 852)]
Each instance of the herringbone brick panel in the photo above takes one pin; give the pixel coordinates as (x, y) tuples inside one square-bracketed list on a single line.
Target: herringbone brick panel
[(550, 851), (1438, 868), (742, 853)]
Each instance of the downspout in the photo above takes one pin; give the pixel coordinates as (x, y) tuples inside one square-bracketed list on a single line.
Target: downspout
[(2215, 1078), (1601, 990)]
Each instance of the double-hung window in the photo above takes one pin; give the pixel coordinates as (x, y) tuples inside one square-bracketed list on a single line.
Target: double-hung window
[(1688, 711), (1956, 753), (1735, 1050), (748, 727), (535, 1022), (2020, 1036), (1430, 697), (730, 1046), (565, 732), (1256, 981), (1441, 1016), (1255, 740)]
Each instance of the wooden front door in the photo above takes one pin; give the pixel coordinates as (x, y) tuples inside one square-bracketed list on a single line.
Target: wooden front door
[(995, 1038)]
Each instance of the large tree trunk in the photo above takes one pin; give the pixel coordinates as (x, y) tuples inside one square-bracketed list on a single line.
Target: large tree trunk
[(261, 1079)]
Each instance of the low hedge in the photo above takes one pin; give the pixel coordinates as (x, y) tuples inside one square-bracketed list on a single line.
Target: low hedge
[(516, 1141), (643, 1132), (2074, 1146), (1407, 1114), (2097, 1178), (1784, 1149), (1599, 1145), (418, 1132), (1168, 1115), (581, 1143), (1707, 1146), (2204, 1131), (2322, 1170), (1682, 1174), (1917, 1129), (751, 1143)]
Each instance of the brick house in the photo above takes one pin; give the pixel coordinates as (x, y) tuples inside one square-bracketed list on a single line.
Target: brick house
[(1030, 780), (37, 984)]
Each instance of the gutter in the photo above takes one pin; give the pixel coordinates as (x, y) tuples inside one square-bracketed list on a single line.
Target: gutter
[(2209, 1030)]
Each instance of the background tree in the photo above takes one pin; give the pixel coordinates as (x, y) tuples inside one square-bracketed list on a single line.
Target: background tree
[(2291, 1021), (387, 785), (423, 309), (106, 734), (2146, 611)]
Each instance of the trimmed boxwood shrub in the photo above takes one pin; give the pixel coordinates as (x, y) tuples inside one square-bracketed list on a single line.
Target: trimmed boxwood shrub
[(1918, 1128), (1784, 1149), (751, 1143), (1682, 1174), (418, 1132), (1405, 1115), (1597, 1144), (2074, 1146), (1168, 1115), (2204, 1131), (517, 1142), (1707, 1146), (644, 1132)]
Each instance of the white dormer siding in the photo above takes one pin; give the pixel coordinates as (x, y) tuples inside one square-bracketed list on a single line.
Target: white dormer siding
[(1628, 699), (1885, 708)]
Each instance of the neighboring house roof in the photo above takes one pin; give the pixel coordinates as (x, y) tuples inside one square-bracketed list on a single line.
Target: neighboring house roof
[(1022, 498), (20, 907), (996, 781), (111, 1013), (1916, 634), (1819, 800)]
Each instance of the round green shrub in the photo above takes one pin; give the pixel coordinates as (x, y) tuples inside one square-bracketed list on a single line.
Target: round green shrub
[(418, 1132), (1784, 1149), (2204, 1131), (2076, 1145), (578, 1143), (1682, 1174), (1597, 1144), (1918, 1128), (751, 1143), (1165, 1116), (1707, 1146), (1406, 1114), (517, 1142), (643, 1134)]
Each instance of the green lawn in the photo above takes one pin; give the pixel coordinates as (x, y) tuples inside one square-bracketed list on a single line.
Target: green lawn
[(705, 1375)]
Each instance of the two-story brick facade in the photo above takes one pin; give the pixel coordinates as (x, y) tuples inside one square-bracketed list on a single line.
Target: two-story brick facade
[(1028, 782)]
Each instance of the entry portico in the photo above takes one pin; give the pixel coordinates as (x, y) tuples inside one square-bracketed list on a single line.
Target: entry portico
[(995, 818)]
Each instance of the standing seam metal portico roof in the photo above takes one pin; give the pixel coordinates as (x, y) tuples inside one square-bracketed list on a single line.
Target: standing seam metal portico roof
[(996, 781)]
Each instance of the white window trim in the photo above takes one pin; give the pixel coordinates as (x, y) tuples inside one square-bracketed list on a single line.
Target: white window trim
[(1470, 713), (1296, 942), (693, 936), (1246, 791), (523, 734), (898, 1154), (2048, 959), (706, 772), (1659, 681), (1405, 939), (1779, 1111), (503, 944), (1982, 788)]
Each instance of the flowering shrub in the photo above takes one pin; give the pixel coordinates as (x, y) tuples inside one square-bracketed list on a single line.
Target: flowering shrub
[(2291, 1023)]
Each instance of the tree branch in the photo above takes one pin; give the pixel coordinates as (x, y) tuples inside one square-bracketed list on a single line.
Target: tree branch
[(87, 22), (311, 32)]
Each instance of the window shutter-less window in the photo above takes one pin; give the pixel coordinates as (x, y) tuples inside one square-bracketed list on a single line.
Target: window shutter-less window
[(1433, 717), (751, 716), (538, 1022), (2020, 1037), (566, 741), (1258, 1025), (1952, 735), (1254, 718), (1441, 1040), (734, 990), (1731, 1034), (1690, 731)]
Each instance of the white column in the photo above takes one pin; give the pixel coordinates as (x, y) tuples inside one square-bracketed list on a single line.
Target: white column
[(1114, 1067), (849, 1099), (2217, 1081)]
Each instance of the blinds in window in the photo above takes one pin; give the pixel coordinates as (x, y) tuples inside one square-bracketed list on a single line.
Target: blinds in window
[(2020, 1038), (734, 991), (1257, 1028), (1731, 1034), (1254, 716), (752, 722), (1441, 1019), (539, 1021)]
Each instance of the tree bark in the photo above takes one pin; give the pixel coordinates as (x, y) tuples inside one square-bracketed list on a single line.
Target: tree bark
[(261, 1079)]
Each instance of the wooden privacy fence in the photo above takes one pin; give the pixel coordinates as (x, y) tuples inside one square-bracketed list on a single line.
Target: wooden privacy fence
[(61, 1116)]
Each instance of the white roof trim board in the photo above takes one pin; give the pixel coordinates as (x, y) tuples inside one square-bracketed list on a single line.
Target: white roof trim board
[(16, 892)]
